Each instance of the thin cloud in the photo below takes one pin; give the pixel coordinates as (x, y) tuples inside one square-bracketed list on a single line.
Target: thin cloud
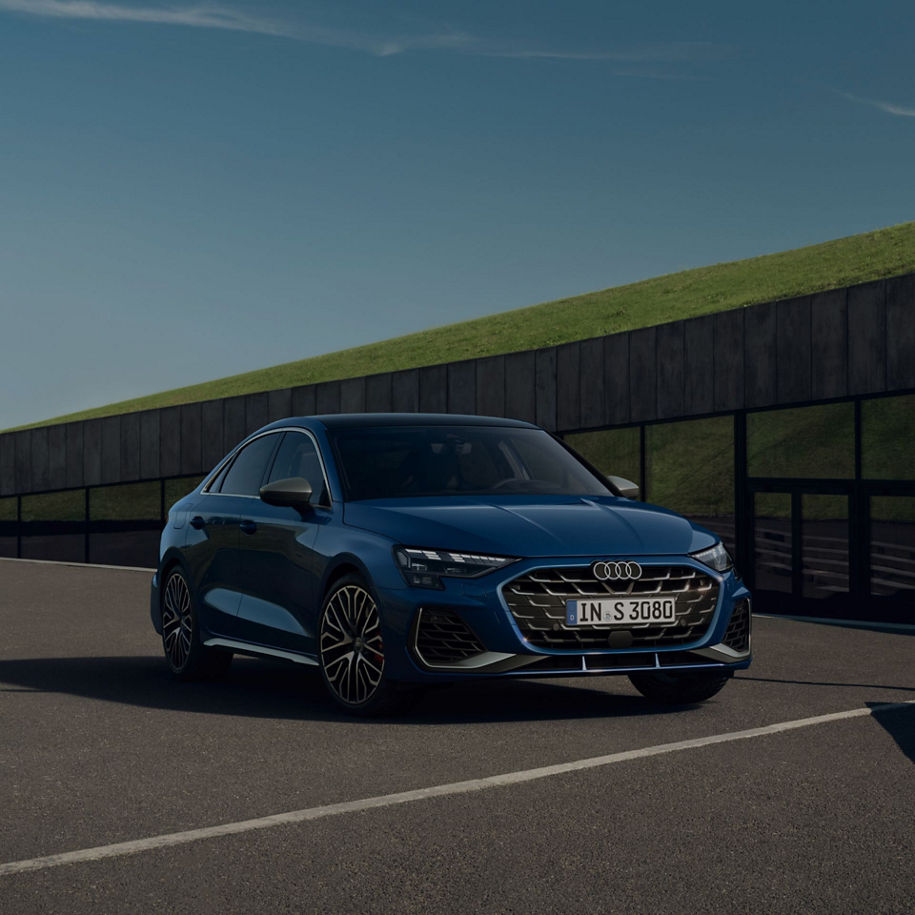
[(649, 72), (673, 52), (218, 17), (899, 111), (198, 17)]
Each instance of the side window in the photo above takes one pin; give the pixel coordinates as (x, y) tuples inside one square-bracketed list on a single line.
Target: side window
[(246, 474), (297, 457), (216, 485)]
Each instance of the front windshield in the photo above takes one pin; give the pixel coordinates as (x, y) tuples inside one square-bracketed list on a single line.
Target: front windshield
[(394, 462)]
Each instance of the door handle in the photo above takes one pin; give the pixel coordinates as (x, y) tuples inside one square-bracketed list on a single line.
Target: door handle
[(248, 527), (197, 523)]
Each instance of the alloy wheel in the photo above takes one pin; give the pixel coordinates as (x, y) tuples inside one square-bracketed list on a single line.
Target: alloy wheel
[(177, 621), (352, 652)]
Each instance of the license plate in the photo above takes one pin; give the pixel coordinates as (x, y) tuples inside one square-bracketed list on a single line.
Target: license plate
[(622, 612)]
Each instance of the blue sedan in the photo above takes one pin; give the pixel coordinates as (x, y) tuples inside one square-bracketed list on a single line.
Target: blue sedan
[(393, 550)]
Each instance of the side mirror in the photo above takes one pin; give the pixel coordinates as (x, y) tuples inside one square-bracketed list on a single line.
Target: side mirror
[(294, 492), (623, 487)]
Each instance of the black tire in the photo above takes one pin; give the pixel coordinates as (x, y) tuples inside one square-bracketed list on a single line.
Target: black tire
[(187, 657), (679, 688), (351, 652)]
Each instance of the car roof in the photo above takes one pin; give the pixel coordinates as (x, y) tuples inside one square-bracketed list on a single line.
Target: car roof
[(365, 420)]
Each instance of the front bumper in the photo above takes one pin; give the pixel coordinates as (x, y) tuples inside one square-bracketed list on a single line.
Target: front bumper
[(155, 607), (469, 630)]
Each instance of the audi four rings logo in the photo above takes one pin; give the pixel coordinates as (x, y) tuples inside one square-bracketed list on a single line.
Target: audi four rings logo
[(608, 571)]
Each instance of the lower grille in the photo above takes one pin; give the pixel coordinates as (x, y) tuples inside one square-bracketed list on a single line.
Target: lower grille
[(537, 601), (590, 662), (737, 635), (442, 637)]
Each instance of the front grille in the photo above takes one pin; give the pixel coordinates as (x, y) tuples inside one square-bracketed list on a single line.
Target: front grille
[(737, 635), (537, 601), (442, 637)]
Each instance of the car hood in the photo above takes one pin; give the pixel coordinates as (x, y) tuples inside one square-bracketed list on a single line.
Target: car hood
[(531, 526)]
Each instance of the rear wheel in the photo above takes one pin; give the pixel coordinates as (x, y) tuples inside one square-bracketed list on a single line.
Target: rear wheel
[(187, 657), (679, 688), (351, 651)]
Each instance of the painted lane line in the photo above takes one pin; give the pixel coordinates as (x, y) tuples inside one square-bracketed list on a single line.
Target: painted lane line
[(78, 565), (421, 794)]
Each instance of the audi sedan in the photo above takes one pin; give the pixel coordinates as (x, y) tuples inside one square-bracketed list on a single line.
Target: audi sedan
[(391, 551)]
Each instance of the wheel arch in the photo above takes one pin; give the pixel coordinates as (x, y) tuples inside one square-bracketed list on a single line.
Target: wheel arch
[(171, 560), (157, 595), (174, 559), (343, 565)]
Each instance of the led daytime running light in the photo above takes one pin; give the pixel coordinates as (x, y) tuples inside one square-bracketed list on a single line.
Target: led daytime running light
[(424, 568), (715, 557)]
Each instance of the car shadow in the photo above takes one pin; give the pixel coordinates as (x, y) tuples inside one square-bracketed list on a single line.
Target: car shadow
[(866, 626), (900, 727), (266, 689), (905, 689)]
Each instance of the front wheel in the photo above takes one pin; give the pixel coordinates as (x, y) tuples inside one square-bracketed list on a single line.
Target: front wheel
[(187, 656), (351, 651), (679, 688)]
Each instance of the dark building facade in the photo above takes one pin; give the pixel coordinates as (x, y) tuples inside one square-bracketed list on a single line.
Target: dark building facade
[(788, 427)]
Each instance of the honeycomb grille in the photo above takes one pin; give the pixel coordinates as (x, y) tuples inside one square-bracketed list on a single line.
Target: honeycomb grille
[(442, 637), (737, 635), (537, 601)]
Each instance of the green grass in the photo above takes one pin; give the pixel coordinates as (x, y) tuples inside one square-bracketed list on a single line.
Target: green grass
[(690, 463), (68, 505), (843, 262), (127, 502)]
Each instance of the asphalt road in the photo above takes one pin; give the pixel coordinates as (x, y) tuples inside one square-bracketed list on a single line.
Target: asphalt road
[(98, 745)]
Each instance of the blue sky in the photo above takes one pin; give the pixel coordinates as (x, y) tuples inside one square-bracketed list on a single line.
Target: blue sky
[(191, 190)]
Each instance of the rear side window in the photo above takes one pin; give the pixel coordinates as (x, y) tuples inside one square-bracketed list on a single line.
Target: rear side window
[(246, 475), (298, 457)]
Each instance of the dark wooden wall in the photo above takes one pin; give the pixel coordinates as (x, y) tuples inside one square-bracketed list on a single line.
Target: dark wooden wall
[(844, 342)]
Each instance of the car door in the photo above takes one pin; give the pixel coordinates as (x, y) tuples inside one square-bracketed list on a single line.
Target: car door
[(281, 567), (215, 550)]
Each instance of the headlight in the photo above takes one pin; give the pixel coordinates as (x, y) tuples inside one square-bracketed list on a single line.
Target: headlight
[(425, 568), (715, 557)]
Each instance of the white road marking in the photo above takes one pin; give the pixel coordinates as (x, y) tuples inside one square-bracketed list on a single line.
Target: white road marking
[(405, 797), (79, 565)]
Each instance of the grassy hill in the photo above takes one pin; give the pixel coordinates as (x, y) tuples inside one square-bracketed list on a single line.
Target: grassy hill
[(845, 261)]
